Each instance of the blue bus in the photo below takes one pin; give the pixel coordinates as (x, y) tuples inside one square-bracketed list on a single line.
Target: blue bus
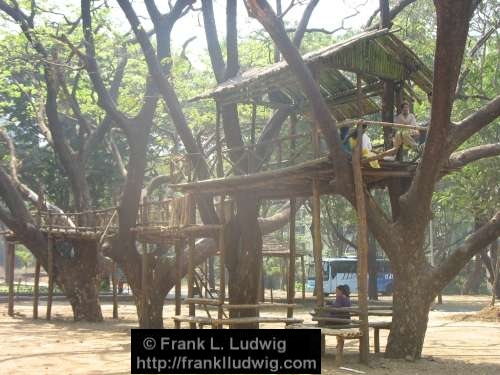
[(339, 271)]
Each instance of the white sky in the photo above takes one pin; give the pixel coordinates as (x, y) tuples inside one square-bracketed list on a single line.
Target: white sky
[(328, 14)]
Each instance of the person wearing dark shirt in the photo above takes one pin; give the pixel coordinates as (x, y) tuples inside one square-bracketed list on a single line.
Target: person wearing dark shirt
[(341, 300)]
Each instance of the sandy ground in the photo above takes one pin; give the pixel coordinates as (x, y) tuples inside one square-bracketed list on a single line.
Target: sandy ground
[(453, 345)]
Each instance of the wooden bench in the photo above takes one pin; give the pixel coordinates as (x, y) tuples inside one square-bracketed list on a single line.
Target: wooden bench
[(216, 322), (377, 326), (341, 334), (256, 319), (323, 321)]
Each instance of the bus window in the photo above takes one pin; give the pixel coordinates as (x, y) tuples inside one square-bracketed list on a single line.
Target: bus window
[(325, 270), (345, 266), (311, 274)]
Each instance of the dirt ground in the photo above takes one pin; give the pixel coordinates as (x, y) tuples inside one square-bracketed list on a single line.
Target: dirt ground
[(455, 343)]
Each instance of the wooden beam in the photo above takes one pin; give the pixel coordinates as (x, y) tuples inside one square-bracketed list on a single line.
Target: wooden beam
[(36, 289), (362, 242), (11, 265)]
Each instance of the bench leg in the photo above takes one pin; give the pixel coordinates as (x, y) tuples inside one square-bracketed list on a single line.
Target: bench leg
[(339, 356), (376, 340)]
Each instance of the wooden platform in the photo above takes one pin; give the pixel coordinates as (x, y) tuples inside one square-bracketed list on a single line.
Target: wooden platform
[(296, 181), (168, 235)]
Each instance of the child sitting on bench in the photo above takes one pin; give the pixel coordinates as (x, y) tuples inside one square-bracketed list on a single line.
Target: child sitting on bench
[(341, 300)]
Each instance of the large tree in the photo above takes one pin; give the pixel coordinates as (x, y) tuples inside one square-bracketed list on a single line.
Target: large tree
[(402, 236), (244, 233), (82, 48)]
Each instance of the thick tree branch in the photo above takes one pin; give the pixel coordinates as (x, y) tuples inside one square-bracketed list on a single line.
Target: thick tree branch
[(398, 8), (27, 193), (474, 123), (461, 158), (229, 112), (104, 98), (214, 50), (304, 21), (476, 242), (116, 154), (14, 201), (233, 65), (172, 102), (99, 133), (452, 29), (325, 123)]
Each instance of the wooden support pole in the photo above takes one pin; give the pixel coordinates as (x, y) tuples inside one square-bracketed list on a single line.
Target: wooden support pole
[(11, 265), (317, 247), (178, 277), (36, 289), (362, 239), (262, 284), (251, 155), (115, 290), (222, 261), (290, 290), (388, 112), (302, 266), (190, 279), (50, 272), (145, 277), (191, 265)]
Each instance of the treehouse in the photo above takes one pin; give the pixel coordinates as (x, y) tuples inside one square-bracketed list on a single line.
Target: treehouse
[(377, 58)]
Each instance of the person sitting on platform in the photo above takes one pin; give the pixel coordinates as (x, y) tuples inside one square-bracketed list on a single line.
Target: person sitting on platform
[(351, 141), (406, 137), (341, 300)]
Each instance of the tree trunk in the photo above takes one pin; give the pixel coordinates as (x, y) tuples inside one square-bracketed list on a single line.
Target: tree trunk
[(411, 303), (79, 278), (150, 307), (244, 253)]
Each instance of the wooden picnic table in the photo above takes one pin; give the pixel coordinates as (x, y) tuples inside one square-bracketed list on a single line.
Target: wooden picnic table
[(354, 311)]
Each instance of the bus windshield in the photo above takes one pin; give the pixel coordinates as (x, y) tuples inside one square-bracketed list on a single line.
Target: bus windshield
[(311, 274)]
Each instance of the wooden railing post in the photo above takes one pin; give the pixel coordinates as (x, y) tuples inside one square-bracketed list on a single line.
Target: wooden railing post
[(317, 246), (11, 265), (291, 266), (178, 277), (222, 260), (50, 271), (115, 297), (36, 289)]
